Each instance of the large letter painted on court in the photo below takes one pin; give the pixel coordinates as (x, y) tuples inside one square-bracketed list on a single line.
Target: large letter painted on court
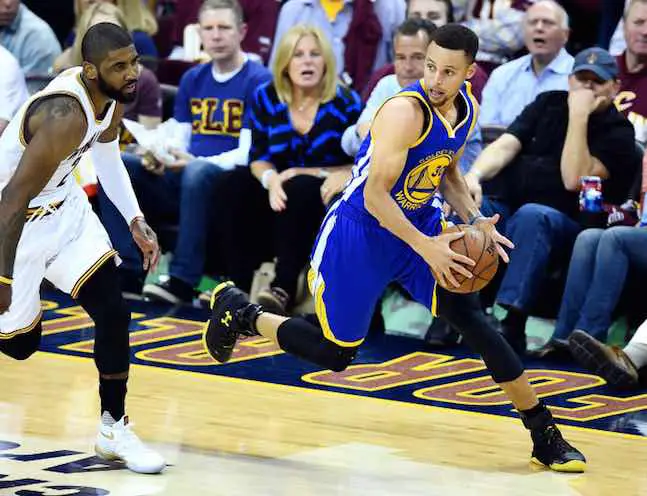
[(409, 369), (483, 391)]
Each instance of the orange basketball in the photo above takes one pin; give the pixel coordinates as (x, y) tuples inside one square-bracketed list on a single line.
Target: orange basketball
[(477, 246)]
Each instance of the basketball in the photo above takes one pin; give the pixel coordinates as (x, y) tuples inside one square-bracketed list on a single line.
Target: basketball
[(475, 245)]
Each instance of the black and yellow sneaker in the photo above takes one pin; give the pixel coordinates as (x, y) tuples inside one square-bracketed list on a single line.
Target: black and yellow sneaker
[(232, 315), (550, 449)]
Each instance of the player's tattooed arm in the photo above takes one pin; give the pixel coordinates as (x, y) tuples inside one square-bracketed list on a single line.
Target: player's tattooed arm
[(54, 127)]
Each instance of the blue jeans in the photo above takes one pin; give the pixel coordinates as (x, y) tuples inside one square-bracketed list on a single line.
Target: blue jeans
[(539, 234), (596, 277), (176, 197)]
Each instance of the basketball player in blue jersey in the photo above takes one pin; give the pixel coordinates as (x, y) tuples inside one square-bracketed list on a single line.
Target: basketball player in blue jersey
[(387, 226)]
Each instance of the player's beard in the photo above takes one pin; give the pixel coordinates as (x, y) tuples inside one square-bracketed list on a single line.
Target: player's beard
[(114, 93)]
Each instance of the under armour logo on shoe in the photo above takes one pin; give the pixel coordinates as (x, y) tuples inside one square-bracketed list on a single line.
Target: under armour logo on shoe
[(226, 320)]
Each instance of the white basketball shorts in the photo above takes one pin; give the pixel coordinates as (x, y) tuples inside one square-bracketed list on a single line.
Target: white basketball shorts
[(66, 247)]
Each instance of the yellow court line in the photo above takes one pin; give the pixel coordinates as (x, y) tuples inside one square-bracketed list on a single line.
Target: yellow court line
[(222, 378)]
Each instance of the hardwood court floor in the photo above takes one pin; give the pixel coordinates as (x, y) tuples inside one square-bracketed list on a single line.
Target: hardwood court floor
[(230, 436)]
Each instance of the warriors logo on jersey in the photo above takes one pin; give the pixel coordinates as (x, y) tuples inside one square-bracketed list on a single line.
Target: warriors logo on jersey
[(423, 181)]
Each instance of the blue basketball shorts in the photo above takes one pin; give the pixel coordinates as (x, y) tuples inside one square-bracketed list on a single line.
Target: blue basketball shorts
[(353, 261)]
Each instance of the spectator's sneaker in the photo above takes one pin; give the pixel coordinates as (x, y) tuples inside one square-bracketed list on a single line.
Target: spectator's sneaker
[(231, 315), (610, 363), (550, 449), (119, 442), (173, 291), (274, 300)]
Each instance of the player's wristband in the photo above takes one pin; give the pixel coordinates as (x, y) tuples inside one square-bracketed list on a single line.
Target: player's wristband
[(265, 177), (476, 173), (7, 281)]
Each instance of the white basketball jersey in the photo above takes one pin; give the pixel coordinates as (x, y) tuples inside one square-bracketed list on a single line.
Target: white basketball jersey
[(12, 141)]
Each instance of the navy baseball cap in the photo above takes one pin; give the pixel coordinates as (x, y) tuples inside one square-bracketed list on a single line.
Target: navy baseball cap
[(598, 61)]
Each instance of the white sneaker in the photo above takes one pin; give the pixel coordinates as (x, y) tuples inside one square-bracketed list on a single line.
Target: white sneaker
[(119, 442)]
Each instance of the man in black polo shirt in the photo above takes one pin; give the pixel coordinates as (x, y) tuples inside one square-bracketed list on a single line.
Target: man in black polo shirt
[(539, 161)]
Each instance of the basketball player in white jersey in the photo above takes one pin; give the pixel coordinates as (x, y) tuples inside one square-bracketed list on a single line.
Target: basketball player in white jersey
[(48, 230)]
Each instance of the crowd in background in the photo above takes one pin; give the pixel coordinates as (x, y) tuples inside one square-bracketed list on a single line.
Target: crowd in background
[(258, 108)]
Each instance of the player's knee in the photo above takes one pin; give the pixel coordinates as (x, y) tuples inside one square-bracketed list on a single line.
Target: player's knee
[(338, 358), (24, 345)]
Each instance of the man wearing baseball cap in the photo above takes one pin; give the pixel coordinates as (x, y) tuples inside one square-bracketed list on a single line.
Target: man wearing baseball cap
[(537, 165)]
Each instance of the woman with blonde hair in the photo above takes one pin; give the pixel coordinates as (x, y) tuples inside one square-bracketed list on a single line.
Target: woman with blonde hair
[(297, 124), (138, 20)]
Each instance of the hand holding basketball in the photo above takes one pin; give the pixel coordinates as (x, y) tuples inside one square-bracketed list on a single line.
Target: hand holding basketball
[(444, 262), (483, 244), (487, 225)]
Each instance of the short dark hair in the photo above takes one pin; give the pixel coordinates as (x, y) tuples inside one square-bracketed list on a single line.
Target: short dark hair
[(411, 27), (101, 39), (234, 5), (457, 37)]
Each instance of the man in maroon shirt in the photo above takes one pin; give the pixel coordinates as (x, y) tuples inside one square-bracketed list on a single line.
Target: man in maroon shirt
[(632, 98)]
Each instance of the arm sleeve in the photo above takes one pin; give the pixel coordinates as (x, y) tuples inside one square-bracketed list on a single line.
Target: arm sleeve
[(238, 156), (114, 179), (172, 134)]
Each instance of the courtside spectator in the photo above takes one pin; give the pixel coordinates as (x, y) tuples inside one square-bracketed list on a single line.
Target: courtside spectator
[(298, 122), (632, 98), (556, 140), (13, 89), (547, 66), (140, 22), (440, 13), (209, 135), (28, 38), (361, 32)]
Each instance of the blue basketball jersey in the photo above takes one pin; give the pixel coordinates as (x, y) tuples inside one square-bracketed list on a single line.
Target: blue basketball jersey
[(427, 159)]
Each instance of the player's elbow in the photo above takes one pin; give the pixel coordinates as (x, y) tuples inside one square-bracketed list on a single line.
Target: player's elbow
[(373, 198)]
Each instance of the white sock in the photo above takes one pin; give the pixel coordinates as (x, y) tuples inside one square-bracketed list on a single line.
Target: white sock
[(636, 349), (106, 419)]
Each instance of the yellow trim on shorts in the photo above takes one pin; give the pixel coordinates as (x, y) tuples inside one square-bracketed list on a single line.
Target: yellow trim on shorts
[(88, 273), (434, 295), (322, 315), (24, 330), (312, 275)]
